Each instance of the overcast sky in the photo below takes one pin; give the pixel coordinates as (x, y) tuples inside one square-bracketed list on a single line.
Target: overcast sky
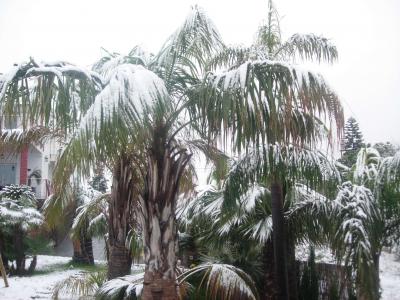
[(366, 32)]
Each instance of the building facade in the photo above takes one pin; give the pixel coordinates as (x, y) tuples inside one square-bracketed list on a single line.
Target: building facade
[(33, 166)]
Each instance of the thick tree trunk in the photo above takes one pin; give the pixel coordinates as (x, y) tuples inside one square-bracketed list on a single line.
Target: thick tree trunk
[(19, 250), (270, 289), (166, 165), (120, 219), (292, 269), (88, 247), (279, 239), (32, 265)]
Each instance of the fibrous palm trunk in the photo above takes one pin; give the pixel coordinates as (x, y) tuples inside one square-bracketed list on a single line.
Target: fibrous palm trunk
[(279, 240), (120, 219), (166, 164)]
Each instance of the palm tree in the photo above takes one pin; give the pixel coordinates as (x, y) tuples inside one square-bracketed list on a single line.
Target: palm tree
[(241, 208), (263, 99)]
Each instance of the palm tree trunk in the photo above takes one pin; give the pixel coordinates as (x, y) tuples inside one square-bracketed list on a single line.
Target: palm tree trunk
[(292, 268), (120, 219), (88, 249), (279, 239), (32, 265), (19, 250), (270, 289), (166, 165)]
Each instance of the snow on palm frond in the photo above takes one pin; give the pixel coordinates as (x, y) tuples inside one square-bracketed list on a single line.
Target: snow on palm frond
[(132, 91), (107, 64), (191, 45), (291, 163), (308, 47), (310, 214), (244, 96), (82, 285), (16, 139), (357, 218), (389, 170), (41, 92), (222, 281), (128, 287), (366, 167), (91, 216)]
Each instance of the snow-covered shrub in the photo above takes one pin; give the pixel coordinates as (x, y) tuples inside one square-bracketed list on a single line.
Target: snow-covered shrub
[(20, 223)]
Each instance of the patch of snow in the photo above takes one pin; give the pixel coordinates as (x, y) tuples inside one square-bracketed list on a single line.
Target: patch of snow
[(389, 267)]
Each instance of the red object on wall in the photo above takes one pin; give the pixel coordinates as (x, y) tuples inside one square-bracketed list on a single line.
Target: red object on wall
[(23, 170)]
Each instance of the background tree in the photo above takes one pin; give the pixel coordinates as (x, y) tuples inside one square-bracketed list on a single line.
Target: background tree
[(352, 142), (386, 149)]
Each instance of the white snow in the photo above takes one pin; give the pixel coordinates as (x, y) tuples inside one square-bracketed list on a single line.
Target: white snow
[(37, 286), (390, 276)]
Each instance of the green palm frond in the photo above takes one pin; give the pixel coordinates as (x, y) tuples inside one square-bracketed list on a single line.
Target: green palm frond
[(186, 51), (128, 288), (91, 216), (107, 64), (40, 93), (288, 163), (357, 234), (308, 47), (222, 281), (83, 285), (365, 170), (267, 101), (389, 171), (16, 139), (310, 215)]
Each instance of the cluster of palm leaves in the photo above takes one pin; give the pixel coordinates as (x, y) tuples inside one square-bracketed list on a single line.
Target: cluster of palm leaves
[(144, 116)]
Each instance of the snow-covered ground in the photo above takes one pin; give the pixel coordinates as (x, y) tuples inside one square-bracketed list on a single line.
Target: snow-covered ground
[(389, 266), (37, 286), (40, 286)]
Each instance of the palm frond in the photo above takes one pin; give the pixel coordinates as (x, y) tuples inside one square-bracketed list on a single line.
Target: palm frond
[(222, 281), (267, 101), (91, 216), (186, 51), (389, 170), (40, 93), (16, 139), (82, 285), (308, 47), (128, 287), (289, 163), (365, 170)]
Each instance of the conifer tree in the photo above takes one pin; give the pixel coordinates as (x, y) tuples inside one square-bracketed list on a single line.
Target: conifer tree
[(352, 142)]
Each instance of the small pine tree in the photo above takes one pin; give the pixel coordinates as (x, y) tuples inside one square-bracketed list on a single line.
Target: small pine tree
[(352, 142)]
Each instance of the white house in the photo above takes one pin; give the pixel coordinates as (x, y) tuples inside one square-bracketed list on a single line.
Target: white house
[(33, 166)]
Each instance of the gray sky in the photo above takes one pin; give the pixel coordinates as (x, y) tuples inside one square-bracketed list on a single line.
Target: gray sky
[(366, 32)]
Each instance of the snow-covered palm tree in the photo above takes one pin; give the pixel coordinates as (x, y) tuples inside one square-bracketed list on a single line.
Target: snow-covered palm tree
[(241, 208), (264, 99)]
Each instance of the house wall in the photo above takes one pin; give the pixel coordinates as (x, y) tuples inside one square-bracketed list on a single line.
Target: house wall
[(8, 159)]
